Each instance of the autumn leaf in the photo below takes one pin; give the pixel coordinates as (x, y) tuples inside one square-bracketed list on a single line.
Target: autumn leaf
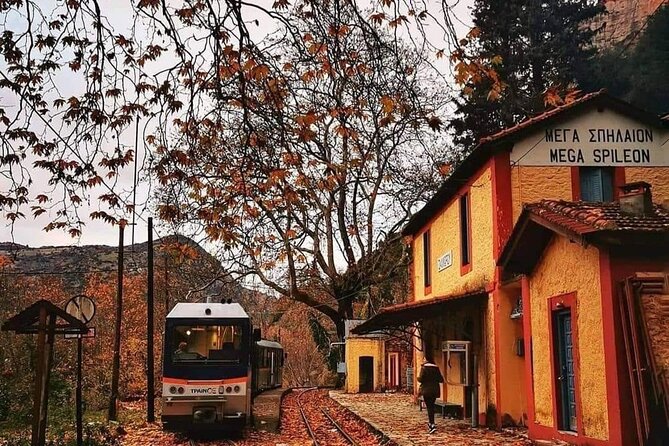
[(387, 104)]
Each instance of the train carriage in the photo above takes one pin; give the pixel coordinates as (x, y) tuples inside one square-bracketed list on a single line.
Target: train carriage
[(207, 366), (268, 365)]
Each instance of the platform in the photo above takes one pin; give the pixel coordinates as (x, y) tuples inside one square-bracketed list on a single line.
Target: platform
[(395, 416), (267, 410)]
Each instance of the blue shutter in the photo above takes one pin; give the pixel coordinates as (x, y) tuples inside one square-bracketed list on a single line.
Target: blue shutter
[(596, 184), (607, 184)]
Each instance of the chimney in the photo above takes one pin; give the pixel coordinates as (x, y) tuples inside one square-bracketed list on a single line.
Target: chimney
[(636, 198)]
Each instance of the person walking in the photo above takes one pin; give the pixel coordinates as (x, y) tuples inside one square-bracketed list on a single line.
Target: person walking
[(429, 379)]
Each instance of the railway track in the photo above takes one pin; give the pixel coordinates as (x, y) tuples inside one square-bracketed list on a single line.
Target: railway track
[(317, 439)]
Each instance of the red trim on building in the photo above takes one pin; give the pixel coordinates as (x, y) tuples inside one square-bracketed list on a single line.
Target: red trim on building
[(412, 278), (618, 181), (538, 431), (464, 269), (527, 337), (498, 379), (502, 215), (559, 303), (612, 339), (575, 184)]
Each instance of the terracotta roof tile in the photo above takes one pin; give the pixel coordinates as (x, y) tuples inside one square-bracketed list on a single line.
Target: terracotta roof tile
[(583, 217), (540, 117)]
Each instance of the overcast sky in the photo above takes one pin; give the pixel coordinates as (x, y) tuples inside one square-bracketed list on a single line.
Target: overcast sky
[(30, 231)]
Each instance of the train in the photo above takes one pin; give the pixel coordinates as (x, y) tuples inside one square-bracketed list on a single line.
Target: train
[(214, 362)]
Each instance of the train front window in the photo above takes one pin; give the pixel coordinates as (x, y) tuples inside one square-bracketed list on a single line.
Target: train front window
[(207, 343)]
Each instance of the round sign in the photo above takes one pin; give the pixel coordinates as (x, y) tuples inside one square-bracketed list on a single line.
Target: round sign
[(82, 307)]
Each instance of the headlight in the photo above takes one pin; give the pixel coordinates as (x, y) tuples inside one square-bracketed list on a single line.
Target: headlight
[(237, 388), (228, 389), (173, 389), (181, 390)]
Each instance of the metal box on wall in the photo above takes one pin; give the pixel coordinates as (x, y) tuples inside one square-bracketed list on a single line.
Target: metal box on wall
[(460, 352)]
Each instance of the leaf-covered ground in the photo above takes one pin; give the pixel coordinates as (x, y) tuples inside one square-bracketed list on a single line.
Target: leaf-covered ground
[(393, 415)]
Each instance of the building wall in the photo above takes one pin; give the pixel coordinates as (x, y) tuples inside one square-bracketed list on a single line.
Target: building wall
[(445, 236), (658, 177), (404, 348), (530, 184), (513, 401), (565, 268), (360, 346)]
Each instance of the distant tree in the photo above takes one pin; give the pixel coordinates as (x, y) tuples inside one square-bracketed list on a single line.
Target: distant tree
[(637, 71), (521, 50)]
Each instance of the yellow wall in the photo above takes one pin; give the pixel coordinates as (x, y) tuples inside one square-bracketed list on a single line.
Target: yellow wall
[(357, 347), (530, 184), (445, 236), (568, 267), (658, 177), (512, 375)]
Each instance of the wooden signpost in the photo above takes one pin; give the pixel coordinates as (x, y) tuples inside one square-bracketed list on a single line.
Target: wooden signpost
[(46, 320), (83, 308)]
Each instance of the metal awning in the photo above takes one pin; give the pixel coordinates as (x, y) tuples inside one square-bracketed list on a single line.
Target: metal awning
[(402, 315)]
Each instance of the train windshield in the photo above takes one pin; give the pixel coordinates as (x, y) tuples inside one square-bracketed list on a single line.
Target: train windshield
[(207, 343)]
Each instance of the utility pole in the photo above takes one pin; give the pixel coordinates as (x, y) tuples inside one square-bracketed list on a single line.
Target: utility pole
[(116, 365), (150, 416), (167, 286)]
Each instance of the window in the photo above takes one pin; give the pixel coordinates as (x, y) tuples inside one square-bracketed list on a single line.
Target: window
[(596, 183), (207, 343), (427, 279), (465, 235)]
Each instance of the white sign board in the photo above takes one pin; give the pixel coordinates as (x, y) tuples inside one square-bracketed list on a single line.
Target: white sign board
[(445, 261), (603, 144), (89, 334)]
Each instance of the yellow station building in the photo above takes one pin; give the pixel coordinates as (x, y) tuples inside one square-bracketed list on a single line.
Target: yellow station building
[(516, 261)]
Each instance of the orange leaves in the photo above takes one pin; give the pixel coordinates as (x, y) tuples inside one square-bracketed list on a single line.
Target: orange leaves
[(168, 212), (101, 215), (387, 104), (338, 31), (290, 233), (152, 4), (377, 18), (444, 169), (307, 119), (399, 20), (278, 175), (292, 159), (553, 96), (42, 198), (281, 4)]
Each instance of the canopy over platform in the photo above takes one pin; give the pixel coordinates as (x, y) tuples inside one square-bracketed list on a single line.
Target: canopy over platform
[(27, 321), (402, 315)]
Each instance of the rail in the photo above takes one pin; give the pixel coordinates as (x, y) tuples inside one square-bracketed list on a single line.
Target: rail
[(310, 430)]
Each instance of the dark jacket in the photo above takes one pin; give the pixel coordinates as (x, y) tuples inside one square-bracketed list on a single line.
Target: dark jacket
[(429, 378)]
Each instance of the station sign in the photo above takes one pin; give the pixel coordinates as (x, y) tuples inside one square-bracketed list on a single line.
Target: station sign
[(445, 261), (580, 144)]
